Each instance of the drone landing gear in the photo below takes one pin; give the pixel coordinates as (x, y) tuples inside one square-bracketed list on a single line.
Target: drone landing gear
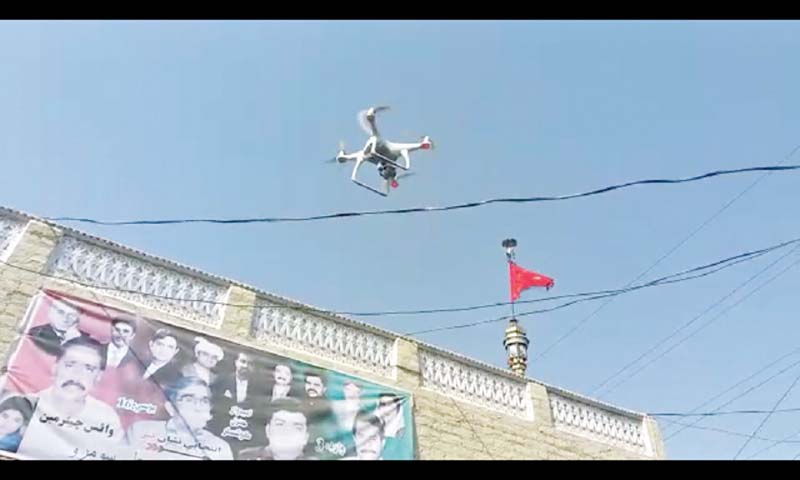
[(355, 179), (373, 189)]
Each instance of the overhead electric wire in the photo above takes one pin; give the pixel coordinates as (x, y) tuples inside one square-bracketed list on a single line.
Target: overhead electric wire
[(693, 320), (707, 269), (768, 416), (660, 281), (770, 168), (722, 413), (776, 443), (740, 382), (746, 392), (672, 250), (728, 432)]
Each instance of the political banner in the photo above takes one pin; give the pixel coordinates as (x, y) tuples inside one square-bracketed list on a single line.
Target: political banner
[(87, 381)]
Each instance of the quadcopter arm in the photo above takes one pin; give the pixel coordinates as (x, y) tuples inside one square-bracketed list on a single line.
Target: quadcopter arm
[(373, 128), (406, 146), (346, 157), (404, 154), (355, 169)]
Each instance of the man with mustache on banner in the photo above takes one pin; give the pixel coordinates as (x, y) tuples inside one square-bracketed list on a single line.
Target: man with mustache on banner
[(69, 423)]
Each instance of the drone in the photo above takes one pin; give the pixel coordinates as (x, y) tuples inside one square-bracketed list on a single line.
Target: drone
[(388, 157)]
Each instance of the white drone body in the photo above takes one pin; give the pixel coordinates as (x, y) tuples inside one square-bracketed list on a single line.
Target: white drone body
[(387, 156)]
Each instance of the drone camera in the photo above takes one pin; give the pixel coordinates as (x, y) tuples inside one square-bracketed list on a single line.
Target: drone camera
[(387, 172)]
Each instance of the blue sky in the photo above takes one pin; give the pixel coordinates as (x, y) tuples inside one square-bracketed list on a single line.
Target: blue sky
[(130, 120)]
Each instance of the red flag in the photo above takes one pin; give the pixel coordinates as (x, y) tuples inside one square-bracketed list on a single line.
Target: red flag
[(522, 279)]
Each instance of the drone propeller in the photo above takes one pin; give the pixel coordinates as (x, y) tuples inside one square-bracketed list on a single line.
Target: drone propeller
[(363, 117), (336, 158), (363, 123)]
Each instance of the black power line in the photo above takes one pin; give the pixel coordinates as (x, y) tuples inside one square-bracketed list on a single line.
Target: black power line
[(707, 269), (721, 413), (728, 432), (746, 392), (767, 417), (697, 317), (776, 443), (772, 168), (672, 250), (740, 382), (610, 293)]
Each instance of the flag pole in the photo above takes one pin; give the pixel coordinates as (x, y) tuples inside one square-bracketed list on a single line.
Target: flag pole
[(513, 314), (509, 244)]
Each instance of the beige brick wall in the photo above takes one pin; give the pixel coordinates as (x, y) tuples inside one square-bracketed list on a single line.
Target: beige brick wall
[(17, 286), (448, 429), (445, 428), (451, 429)]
